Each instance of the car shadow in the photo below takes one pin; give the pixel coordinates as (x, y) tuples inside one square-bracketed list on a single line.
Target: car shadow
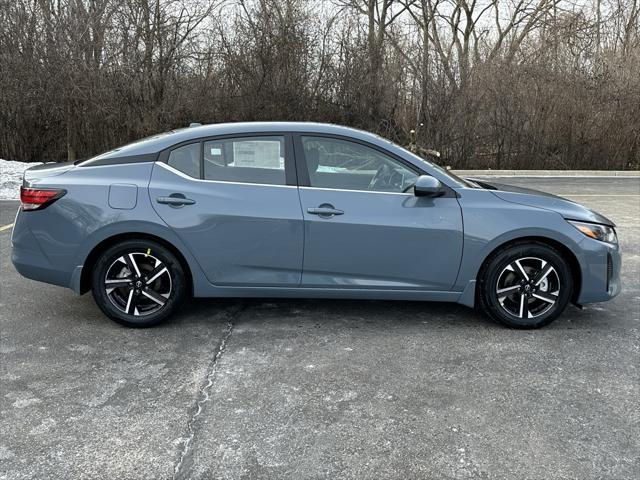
[(333, 312)]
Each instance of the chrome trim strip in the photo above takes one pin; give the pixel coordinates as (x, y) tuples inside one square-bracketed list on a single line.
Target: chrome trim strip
[(187, 177), (359, 191)]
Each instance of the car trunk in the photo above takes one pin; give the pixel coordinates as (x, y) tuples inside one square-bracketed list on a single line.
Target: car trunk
[(38, 172)]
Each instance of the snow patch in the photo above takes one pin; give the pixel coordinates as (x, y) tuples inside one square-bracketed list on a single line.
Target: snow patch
[(11, 178)]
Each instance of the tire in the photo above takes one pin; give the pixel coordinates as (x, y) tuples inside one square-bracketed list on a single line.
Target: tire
[(525, 285), (138, 283)]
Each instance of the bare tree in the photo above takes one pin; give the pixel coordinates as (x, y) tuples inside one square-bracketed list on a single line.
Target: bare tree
[(489, 83)]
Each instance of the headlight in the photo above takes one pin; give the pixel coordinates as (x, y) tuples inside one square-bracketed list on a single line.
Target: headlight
[(603, 233)]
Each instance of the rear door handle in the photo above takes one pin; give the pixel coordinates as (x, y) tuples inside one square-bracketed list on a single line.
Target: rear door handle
[(325, 210), (175, 200)]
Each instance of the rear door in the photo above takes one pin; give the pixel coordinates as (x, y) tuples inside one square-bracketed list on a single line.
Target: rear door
[(233, 200), (364, 227)]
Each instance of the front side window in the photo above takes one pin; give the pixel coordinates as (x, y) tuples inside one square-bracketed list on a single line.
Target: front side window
[(246, 160), (186, 159), (346, 165)]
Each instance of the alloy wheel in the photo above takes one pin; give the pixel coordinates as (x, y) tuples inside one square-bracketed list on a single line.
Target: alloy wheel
[(528, 287), (138, 284)]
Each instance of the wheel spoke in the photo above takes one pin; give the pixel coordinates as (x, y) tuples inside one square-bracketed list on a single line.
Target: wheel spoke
[(159, 299), (131, 263), (524, 310), (117, 283), (131, 302), (546, 297), (504, 292), (155, 273), (546, 270), (517, 267), (128, 263)]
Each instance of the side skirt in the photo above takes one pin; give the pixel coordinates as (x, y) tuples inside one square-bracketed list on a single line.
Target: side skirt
[(344, 293)]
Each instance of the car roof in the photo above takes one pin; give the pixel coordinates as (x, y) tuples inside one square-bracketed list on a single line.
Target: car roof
[(157, 143)]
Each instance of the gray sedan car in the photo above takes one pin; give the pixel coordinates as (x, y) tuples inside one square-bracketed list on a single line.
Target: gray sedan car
[(303, 210)]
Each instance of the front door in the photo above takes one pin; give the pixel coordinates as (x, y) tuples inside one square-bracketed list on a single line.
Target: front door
[(234, 203), (364, 228)]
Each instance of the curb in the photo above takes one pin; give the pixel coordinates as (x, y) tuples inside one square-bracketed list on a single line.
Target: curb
[(549, 173)]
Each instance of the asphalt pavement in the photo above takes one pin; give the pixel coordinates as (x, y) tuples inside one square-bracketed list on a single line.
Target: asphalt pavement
[(304, 389)]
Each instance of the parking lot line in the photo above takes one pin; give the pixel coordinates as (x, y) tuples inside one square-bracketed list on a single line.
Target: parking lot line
[(6, 227)]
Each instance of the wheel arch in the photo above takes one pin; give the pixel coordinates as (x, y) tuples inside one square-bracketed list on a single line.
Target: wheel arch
[(567, 253), (92, 257)]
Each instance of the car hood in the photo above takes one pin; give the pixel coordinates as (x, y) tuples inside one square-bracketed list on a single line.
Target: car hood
[(535, 198)]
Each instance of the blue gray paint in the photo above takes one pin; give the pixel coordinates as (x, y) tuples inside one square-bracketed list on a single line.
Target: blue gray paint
[(242, 240)]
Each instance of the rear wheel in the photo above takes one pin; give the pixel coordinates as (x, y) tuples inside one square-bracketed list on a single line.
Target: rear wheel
[(525, 285), (138, 283)]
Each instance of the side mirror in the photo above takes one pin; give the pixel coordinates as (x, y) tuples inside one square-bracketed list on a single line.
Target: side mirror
[(427, 186)]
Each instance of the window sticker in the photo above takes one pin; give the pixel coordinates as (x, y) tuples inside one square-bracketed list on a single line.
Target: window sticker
[(257, 154)]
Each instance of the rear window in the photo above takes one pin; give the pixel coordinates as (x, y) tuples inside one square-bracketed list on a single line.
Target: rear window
[(186, 159)]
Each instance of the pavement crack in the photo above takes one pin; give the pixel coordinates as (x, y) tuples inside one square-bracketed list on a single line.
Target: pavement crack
[(203, 392)]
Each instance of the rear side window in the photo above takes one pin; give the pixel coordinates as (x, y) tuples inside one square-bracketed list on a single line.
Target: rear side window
[(186, 159), (245, 160)]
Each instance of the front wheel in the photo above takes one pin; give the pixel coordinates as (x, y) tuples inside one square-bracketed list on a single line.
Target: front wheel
[(138, 283), (525, 285)]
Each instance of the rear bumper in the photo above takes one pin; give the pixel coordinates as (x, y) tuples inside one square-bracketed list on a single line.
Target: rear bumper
[(601, 264), (30, 260), (35, 266)]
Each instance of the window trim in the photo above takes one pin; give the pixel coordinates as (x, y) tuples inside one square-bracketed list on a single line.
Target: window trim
[(166, 166), (328, 189), (303, 170), (290, 173)]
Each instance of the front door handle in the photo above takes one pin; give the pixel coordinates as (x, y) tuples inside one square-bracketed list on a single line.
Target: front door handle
[(175, 200), (325, 210)]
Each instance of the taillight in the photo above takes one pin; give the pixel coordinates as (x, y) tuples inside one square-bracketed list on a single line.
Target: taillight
[(38, 198)]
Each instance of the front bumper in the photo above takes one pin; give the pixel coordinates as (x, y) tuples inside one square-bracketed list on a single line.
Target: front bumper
[(601, 264)]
